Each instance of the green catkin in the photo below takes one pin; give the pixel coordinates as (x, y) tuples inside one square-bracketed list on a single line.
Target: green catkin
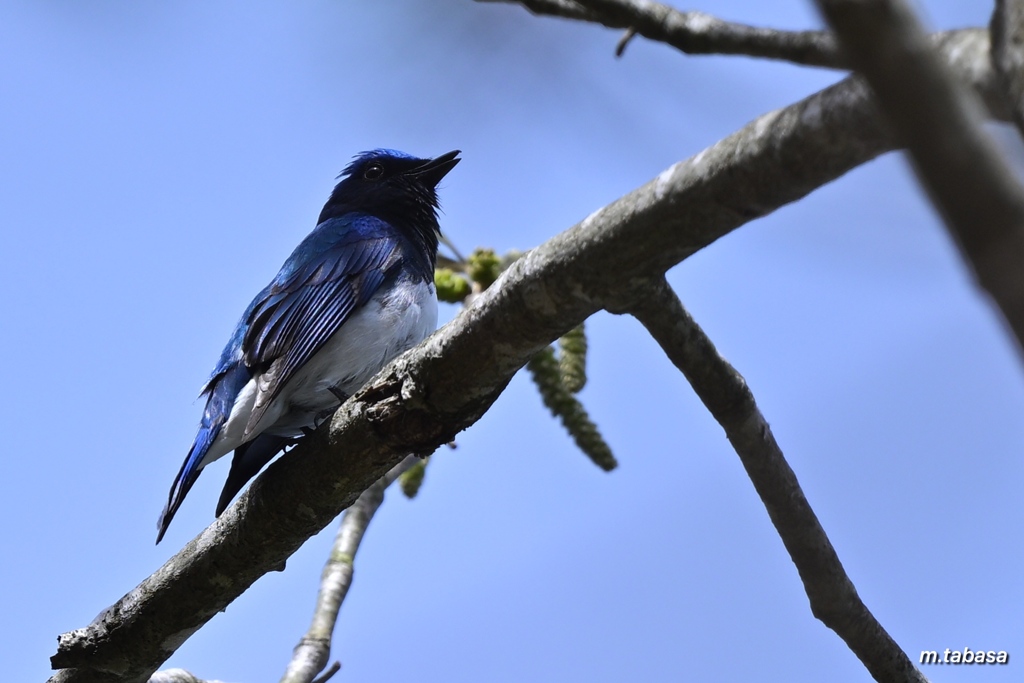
[(572, 359), (412, 478), (556, 378), (546, 375)]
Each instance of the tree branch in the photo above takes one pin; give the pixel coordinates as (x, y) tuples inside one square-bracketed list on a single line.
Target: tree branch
[(695, 32), (1007, 31), (939, 121), (566, 9), (311, 654), (423, 398), (833, 597)]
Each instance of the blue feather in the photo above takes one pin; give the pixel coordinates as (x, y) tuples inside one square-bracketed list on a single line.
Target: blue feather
[(222, 390)]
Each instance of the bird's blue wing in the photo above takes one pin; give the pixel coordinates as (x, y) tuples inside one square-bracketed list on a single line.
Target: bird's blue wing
[(335, 270)]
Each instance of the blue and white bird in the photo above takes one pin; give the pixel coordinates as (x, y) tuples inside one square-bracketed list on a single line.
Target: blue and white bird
[(355, 293)]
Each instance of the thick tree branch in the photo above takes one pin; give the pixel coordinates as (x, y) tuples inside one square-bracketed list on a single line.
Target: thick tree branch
[(939, 122), (311, 654), (1008, 53), (695, 32), (426, 396), (834, 600)]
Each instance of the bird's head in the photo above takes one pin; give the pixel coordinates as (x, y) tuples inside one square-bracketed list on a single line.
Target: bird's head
[(392, 185)]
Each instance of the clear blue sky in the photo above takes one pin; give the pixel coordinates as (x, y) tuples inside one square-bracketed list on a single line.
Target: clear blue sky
[(160, 160)]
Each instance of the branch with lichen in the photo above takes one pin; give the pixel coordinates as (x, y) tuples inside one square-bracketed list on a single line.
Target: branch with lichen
[(693, 32), (726, 395), (969, 180), (311, 654)]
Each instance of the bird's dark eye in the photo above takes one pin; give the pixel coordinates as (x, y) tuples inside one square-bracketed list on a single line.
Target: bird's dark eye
[(373, 172)]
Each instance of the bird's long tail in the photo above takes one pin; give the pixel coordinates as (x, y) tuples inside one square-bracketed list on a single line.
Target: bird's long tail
[(187, 475), (222, 392)]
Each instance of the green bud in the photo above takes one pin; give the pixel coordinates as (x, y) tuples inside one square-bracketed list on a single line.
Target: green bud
[(452, 288), (483, 267), (412, 478)]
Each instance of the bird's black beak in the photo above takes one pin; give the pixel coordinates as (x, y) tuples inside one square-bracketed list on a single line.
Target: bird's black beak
[(435, 169)]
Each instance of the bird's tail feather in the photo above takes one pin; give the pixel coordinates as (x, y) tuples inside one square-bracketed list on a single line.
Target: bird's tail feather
[(247, 462), (187, 475), (222, 391)]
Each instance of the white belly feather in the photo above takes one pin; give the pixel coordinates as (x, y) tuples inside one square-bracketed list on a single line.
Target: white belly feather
[(392, 321)]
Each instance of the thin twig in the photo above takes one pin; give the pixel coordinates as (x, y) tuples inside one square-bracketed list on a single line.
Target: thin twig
[(627, 36), (939, 121), (329, 674), (1007, 31), (176, 676), (311, 654), (724, 392), (694, 32)]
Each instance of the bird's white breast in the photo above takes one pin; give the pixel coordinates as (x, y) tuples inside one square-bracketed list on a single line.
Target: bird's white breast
[(394, 320)]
